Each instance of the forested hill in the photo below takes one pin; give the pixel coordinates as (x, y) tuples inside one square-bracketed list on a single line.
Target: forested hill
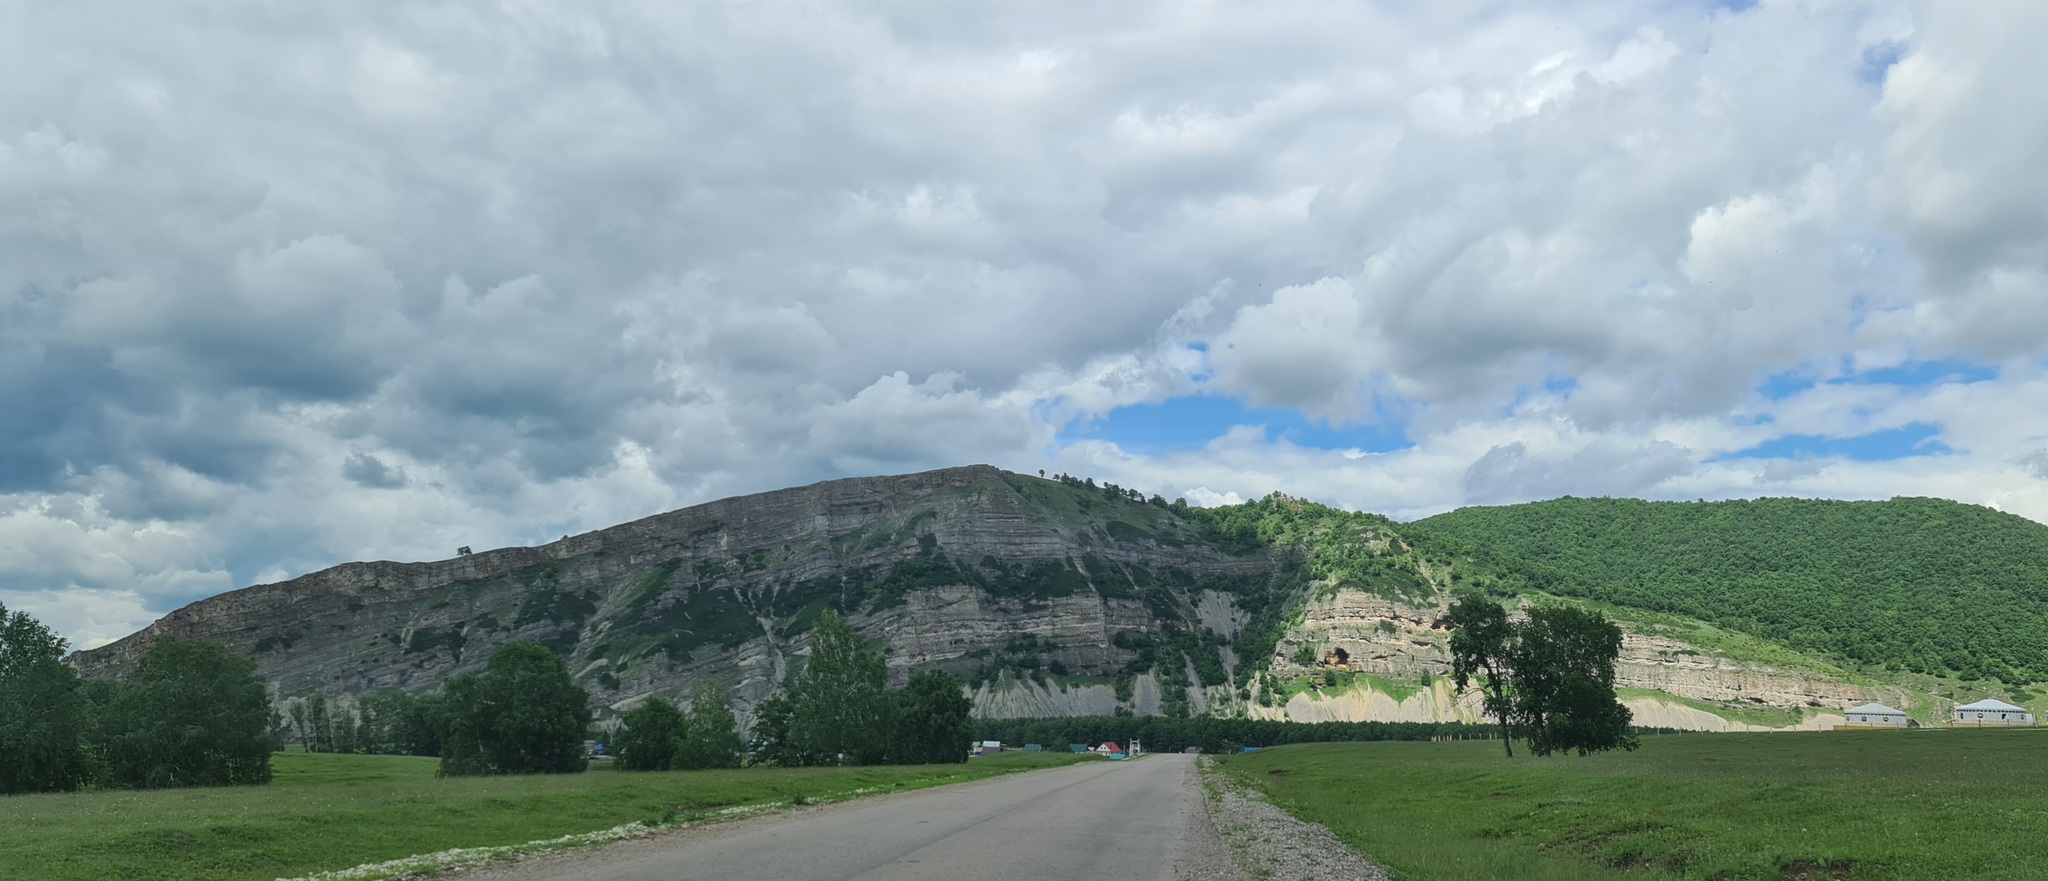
[(1924, 585)]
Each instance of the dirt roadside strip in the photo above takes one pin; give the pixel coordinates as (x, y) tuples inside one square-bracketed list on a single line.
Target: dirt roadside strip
[(1267, 842)]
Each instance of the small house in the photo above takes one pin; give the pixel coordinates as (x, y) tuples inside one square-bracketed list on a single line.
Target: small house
[(1991, 713), (1077, 747), (1877, 716), (1109, 748), (1033, 747), (991, 747)]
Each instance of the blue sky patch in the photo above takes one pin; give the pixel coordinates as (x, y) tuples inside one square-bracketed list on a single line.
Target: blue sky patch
[(1912, 374), (1924, 373), (1188, 423), (1878, 60), (1779, 386), (1904, 442)]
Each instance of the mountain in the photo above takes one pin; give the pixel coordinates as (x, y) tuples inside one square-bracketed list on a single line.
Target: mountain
[(978, 571), (1061, 597), (1912, 584)]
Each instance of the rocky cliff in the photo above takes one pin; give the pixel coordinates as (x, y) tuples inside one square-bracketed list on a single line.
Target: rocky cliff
[(1023, 585)]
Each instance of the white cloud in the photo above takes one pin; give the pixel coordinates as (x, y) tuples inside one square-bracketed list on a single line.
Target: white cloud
[(489, 276)]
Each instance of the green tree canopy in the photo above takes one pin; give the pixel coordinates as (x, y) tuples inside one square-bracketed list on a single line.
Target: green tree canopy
[(193, 714), (43, 717), (1482, 642), (931, 724), (648, 736), (1925, 585), (774, 720), (1562, 682), (711, 737), (524, 715), (840, 708)]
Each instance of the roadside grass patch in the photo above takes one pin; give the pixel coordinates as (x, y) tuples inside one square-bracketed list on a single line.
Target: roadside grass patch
[(1715, 807), (326, 813)]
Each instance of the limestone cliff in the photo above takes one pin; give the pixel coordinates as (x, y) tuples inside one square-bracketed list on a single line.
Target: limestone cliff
[(994, 576), (1388, 659)]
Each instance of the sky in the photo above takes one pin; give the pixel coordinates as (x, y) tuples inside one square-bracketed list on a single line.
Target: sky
[(289, 284)]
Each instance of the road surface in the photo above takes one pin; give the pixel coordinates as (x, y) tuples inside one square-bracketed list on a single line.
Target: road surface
[(1139, 819)]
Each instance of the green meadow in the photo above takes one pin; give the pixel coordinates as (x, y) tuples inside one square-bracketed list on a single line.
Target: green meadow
[(1725, 807), (326, 812)]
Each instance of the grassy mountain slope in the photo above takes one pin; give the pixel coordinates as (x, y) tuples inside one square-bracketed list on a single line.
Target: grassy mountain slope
[(1920, 585)]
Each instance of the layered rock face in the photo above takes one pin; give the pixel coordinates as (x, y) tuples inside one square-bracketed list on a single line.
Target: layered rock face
[(1398, 643), (962, 569)]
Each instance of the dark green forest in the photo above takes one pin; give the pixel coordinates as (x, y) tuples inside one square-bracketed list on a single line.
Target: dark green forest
[(1912, 584)]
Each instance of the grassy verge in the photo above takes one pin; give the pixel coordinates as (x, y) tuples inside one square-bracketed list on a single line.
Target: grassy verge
[(1863, 805), (328, 812)]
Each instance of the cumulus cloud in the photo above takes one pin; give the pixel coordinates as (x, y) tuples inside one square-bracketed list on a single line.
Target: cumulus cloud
[(488, 277)]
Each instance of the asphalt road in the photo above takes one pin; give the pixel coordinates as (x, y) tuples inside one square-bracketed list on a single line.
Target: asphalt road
[(1140, 819)]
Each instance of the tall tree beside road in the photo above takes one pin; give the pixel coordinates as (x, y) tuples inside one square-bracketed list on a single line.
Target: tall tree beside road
[(524, 715), (837, 708), (931, 725), (774, 720), (840, 702), (1481, 641), (43, 716), (711, 736), (193, 714)]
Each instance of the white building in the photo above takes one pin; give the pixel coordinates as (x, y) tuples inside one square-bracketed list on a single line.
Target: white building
[(1989, 712), (1877, 716)]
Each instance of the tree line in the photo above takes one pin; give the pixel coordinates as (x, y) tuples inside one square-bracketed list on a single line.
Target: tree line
[(191, 714)]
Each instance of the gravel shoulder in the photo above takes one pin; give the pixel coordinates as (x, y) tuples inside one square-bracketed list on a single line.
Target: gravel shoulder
[(1266, 842)]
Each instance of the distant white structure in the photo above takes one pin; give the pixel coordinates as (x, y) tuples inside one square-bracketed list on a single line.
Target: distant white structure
[(1877, 716), (1990, 712)]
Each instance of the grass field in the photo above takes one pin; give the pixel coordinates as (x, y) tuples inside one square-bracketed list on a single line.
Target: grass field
[(1862, 805), (329, 812)]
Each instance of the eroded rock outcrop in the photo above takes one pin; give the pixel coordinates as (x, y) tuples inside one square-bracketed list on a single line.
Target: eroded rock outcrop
[(963, 569), (1401, 643)]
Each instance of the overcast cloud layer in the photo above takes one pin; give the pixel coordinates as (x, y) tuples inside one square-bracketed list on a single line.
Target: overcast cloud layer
[(284, 285)]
